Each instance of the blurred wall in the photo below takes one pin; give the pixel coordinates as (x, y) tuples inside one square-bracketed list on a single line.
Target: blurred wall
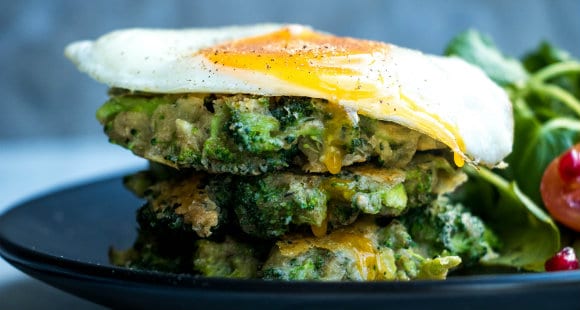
[(42, 94)]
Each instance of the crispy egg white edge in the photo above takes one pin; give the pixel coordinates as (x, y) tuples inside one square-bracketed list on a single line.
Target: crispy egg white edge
[(165, 61)]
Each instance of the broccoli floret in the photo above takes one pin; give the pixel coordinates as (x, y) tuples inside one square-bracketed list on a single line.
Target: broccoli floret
[(450, 227), (411, 265), (230, 259), (240, 140), (252, 127), (419, 186), (214, 150), (267, 205), (215, 147), (291, 111), (269, 126), (254, 132), (407, 257), (367, 194), (390, 192)]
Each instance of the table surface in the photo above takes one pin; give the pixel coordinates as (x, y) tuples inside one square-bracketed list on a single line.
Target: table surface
[(30, 168)]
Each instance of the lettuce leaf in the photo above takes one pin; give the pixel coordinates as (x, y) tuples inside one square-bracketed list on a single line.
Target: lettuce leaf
[(527, 234), (535, 146)]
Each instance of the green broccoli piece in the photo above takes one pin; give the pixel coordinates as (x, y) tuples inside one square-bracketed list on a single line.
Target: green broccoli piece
[(240, 140), (407, 257), (251, 125), (266, 206), (292, 111), (419, 186), (450, 227), (254, 132), (215, 147), (230, 259), (368, 194), (162, 221)]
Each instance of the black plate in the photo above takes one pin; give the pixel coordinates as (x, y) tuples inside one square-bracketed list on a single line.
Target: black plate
[(63, 238)]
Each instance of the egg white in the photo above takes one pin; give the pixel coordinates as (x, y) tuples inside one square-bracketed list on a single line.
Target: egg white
[(445, 98)]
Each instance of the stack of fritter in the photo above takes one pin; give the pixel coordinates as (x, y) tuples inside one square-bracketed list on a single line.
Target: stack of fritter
[(241, 186)]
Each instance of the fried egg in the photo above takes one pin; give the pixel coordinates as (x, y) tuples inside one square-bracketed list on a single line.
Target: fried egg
[(442, 97)]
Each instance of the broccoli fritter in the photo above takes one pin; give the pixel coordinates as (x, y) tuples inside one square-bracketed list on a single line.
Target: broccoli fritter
[(422, 244), (250, 135), (363, 251), (288, 188), (270, 205), (358, 252), (191, 203)]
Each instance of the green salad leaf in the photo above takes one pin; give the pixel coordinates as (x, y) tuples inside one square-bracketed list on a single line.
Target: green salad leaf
[(544, 55), (544, 89), (535, 146), (527, 234)]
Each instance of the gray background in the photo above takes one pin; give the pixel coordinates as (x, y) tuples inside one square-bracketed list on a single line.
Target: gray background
[(43, 96)]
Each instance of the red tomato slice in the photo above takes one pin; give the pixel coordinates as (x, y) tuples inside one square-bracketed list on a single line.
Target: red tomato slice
[(561, 198)]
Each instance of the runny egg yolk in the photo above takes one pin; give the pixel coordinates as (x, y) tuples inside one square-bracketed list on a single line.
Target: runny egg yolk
[(336, 68), (305, 58)]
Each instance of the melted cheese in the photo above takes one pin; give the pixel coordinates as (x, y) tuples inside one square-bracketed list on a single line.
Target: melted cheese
[(445, 98), (357, 240), (320, 230)]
